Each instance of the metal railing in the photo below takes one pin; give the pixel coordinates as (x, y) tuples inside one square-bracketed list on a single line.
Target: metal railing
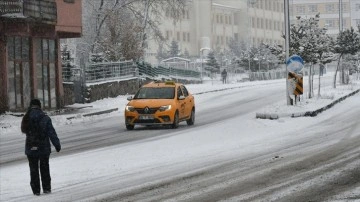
[(98, 72), (105, 71), (10, 6), (41, 10)]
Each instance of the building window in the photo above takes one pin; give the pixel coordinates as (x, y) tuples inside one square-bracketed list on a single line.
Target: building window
[(178, 36), (188, 37), (330, 8), (184, 36), (313, 8), (45, 71), (69, 1), (266, 24), (357, 7), (357, 22), (300, 9), (167, 35), (330, 23), (18, 72)]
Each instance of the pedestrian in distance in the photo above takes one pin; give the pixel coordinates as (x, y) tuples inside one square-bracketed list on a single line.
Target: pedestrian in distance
[(39, 132), (224, 75)]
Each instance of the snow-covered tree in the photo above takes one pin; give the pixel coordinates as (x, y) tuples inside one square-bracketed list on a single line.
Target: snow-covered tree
[(347, 42), (120, 28), (310, 42), (162, 53), (211, 64)]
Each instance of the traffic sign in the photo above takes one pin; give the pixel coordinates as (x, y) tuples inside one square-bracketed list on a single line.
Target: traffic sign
[(295, 64)]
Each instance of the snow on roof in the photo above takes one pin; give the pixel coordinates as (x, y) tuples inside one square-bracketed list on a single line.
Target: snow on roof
[(175, 58), (225, 6)]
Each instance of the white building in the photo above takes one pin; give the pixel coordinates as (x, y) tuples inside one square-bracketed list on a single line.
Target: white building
[(329, 12), (210, 24)]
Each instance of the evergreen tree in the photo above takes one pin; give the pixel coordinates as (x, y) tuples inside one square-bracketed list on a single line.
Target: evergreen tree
[(211, 64), (174, 49)]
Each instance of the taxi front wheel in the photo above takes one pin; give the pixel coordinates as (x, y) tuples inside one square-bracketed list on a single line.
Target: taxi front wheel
[(191, 120), (129, 127), (176, 120)]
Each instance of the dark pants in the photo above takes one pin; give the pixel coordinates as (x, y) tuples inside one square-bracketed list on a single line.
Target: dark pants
[(34, 163)]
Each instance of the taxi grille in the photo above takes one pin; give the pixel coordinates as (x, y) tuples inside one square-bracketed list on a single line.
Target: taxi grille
[(146, 110)]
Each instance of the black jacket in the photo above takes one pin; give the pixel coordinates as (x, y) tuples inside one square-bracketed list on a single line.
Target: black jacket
[(36, 115)]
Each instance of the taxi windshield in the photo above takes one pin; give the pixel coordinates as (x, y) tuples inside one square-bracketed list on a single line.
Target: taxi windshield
[(155, 93)]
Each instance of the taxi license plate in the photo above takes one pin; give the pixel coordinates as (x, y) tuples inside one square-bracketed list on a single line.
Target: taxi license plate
[(146, 117)]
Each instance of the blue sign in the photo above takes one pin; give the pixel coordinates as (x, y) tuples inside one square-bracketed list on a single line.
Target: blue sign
[(295, 64)]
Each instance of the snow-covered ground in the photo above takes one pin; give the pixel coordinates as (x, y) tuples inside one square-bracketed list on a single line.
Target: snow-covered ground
[(214, 141)]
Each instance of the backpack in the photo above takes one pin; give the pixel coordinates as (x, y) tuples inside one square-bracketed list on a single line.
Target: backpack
[(35, 135)]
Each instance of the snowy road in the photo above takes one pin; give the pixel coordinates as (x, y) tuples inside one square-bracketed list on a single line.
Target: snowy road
[(111, 130), (228, 155)]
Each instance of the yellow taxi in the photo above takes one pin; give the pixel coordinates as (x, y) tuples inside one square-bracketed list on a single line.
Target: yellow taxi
[(160, 103)]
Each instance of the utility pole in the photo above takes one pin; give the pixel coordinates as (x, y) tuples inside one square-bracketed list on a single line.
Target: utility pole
[(287, 45), (341, 25)]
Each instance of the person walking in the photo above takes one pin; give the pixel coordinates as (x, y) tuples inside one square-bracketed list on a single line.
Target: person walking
[(224, 75), (39, 132)]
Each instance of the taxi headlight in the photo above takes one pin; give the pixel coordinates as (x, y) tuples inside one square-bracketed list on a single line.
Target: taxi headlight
[(164, 108), (130, 108)]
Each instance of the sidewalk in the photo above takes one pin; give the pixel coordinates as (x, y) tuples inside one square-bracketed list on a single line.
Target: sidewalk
[(310, 107)]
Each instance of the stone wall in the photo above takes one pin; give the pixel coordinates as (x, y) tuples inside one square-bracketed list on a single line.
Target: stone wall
[(110, 89)]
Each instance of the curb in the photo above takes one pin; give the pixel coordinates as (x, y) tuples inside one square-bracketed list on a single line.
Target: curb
[(274, 116), (96, 113)]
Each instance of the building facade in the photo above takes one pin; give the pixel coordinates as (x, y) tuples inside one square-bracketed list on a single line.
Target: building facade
[(329, 10), (210, 24), (30, 60), (355, 13)]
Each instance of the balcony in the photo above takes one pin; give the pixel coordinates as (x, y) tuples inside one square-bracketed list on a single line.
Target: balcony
[(43, 11)]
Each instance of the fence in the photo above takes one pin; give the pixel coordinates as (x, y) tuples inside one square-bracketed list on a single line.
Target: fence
[(255, 76), (127, 69)]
